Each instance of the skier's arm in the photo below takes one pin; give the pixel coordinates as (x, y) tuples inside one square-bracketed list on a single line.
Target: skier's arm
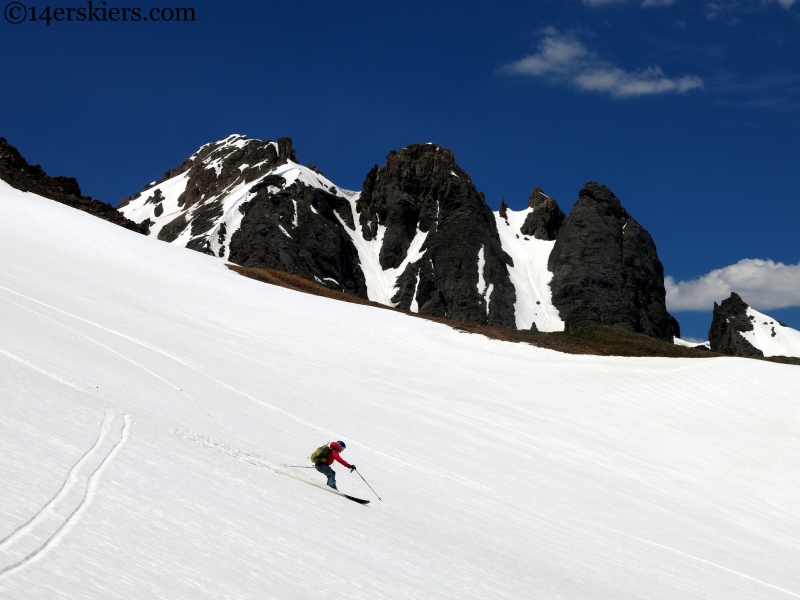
[(338, 458)]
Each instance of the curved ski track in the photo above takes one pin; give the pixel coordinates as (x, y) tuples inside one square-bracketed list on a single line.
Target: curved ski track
[(43, 529), (254, 459)]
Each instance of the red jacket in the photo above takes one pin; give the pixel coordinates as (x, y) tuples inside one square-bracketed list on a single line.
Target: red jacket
[(334, 455)]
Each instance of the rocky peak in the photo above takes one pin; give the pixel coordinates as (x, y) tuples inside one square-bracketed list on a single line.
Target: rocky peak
[(537, 197), (406, 194), (730, 320), (606, 269), (16, 172), (250, 202), (233, 161), (226, 162), (545, 219), (421, 191)]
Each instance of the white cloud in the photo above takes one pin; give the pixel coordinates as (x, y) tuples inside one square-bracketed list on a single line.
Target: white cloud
[(763, 284), (645, 3), (651, 3), (563, 58), (621, 83), (716, 7)]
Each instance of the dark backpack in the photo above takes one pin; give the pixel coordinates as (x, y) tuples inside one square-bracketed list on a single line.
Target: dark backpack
[(321, 454)]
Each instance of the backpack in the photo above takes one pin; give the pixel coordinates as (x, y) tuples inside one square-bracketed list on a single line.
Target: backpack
[(321, 454)]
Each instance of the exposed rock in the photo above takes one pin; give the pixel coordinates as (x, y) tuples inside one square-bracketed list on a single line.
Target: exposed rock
[(156, 198), (729, 321), (421, 190), (16, 171), (407, 286), (171, 231), (606, 269), (544, 222), (317, 248), (503, 210), (295, 228), (261, 157)]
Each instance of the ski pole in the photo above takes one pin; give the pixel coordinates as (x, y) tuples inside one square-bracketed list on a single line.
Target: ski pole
[(368, 485)]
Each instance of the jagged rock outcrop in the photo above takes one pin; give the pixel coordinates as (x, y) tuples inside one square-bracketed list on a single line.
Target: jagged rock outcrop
[(250, 202), (730, 320), (545, 221), (316, 248), (460, 269), (16, 172), (606, 269)]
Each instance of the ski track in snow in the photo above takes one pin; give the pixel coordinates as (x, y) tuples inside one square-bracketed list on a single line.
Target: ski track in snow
[(28, 530), (44, 372), (253, 459), (705, 562), (83, 335), (312, 426), (69, 479)]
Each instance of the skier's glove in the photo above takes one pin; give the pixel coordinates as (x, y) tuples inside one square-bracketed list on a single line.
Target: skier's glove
[(352, 468)]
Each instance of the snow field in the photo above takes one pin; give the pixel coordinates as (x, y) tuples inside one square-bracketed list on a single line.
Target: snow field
[(507, 471), (529, 274)]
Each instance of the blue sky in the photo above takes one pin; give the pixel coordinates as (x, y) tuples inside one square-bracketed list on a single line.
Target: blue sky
[(689, 111)]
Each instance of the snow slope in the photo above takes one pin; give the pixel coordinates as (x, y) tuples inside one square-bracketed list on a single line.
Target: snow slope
[(770, 336), (150, 398)]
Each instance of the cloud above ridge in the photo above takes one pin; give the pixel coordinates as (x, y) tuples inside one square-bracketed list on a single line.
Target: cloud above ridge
[(562, 58), (645, 3), (763, 284)]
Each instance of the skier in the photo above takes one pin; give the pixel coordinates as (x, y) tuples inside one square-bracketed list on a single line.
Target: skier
[(323, 458)]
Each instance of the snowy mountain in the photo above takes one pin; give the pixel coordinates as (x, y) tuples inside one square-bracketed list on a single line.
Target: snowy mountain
[(739, 330), (152, 399), (418, 236)]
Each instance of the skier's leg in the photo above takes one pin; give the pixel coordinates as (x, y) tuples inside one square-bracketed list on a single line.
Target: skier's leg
[(328, 472)]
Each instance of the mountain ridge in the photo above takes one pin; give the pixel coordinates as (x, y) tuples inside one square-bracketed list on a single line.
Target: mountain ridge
[(419, 235), (19, 174)]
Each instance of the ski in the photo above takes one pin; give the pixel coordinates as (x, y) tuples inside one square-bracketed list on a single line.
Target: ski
[(354, 499)]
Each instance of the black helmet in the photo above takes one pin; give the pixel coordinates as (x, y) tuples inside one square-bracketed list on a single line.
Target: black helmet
[(342, 444)]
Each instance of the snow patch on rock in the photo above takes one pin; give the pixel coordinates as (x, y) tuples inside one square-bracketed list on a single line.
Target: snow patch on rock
[(770, 336), (530, 275)]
